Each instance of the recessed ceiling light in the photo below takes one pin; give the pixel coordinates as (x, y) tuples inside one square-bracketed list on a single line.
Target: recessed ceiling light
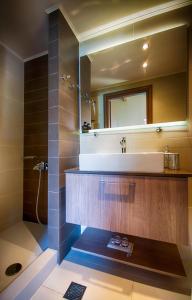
[(145, 46), (145, 64)]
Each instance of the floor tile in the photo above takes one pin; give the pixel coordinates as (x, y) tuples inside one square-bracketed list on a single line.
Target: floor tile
[(145, 292), (44, 293), (99, 285)]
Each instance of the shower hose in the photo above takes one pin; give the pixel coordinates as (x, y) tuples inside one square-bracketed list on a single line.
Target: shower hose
[(37, 199)]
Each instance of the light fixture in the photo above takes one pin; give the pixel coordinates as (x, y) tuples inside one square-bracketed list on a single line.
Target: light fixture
[(168, 126), (145, 64), (145, 46)]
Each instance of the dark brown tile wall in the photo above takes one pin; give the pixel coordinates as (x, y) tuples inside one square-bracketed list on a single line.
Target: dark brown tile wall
[(63, 135), (35, 136)]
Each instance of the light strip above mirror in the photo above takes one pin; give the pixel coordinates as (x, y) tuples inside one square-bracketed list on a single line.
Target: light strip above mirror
[(168, 126)]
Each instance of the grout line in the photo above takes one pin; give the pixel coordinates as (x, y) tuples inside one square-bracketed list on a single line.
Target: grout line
[(53, 90), (52, 41), (53, 57), (36, 79), (36, 90), (53, 74), (35, 101), (58, 293)]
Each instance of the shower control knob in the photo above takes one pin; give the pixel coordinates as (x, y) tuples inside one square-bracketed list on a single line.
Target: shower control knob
[(42, 166), (46, 166)]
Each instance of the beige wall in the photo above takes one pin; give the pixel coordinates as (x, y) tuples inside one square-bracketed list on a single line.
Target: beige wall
[(11, 138), (190, 128), (169, 98)]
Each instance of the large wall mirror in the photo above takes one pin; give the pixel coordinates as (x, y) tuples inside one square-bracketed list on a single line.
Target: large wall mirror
[(139, 82)]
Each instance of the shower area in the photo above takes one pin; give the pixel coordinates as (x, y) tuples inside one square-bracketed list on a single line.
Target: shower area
[(29, 202), (23, 162)]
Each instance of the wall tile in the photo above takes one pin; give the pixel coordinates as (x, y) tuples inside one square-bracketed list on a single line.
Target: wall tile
[(53, 33), (53, 49), (66, 245), (53, 183), (53, 81), (177, 142), (11, 138), (35, 135), (53, 235), (53, 65), (53, 148), (63, 121), (53, 199), (53, 217), (53, 98)]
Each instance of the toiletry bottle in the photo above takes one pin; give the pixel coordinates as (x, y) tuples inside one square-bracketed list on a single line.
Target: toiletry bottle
[(174, 161)]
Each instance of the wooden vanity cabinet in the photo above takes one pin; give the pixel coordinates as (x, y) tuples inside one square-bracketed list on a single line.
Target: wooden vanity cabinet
[(149, 207)]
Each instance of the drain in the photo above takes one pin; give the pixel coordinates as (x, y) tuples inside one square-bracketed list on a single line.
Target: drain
[(13, 269), (75, 291)]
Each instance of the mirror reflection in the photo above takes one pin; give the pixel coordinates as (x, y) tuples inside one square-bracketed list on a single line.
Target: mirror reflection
[(140, 82)]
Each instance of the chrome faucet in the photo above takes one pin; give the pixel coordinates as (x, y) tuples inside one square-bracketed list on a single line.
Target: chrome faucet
[(123, 144)]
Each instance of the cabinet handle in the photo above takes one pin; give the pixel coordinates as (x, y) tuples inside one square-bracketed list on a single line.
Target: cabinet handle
[(111, 190)]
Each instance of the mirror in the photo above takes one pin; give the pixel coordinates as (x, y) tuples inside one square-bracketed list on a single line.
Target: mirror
[(139, 82), (128, 107)]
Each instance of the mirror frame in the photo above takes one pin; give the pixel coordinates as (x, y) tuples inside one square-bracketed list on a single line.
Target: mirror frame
[(111, 97)]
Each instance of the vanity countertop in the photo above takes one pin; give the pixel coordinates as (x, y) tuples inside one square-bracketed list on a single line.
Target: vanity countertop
[(167, 173)]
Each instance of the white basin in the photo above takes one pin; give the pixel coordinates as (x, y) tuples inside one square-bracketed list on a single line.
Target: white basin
[(130, 162)]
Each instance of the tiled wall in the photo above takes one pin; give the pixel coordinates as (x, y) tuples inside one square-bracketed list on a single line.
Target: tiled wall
[(63, 128), (11, 138), (178, 141), (35, 136)]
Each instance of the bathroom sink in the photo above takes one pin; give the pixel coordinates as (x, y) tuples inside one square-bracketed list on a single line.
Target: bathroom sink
[(130, 162)]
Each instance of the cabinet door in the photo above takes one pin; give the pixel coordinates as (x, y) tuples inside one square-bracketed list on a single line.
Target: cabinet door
[(168, 209), (149, 207), (115, 203)]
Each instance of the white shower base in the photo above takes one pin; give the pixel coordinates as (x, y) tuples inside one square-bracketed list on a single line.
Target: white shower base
[(23, 243)]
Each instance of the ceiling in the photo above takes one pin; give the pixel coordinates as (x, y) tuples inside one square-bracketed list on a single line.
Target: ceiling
[(86, 15), (167, 54), (24, 23)]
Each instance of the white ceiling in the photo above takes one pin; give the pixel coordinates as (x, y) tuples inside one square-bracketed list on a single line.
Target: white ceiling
[(167, 54), (87, 15), (24, 23)]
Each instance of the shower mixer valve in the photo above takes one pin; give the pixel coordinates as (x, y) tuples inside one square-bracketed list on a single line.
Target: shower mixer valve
[(42, 166)]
